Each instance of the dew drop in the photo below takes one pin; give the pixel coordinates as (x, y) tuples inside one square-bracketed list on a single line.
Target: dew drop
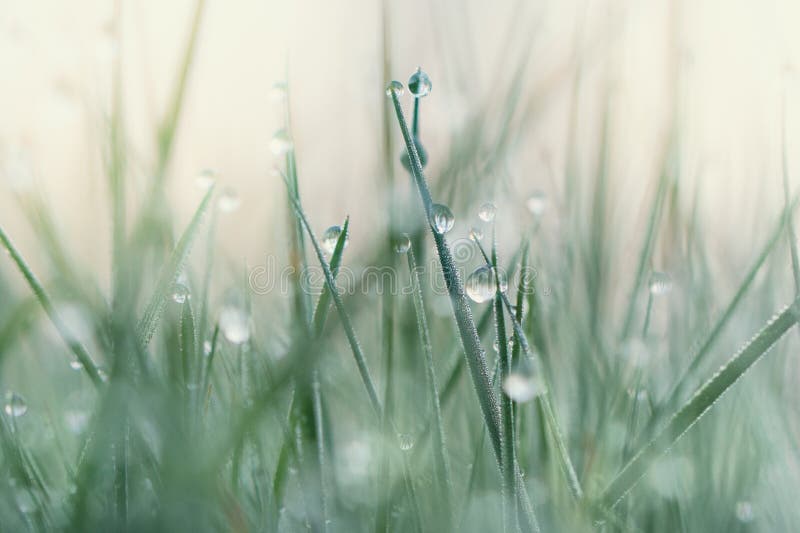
[(76, 420), (76, 365), (278, 91), (419, 84), (25, 502), (206, 348), (537, 203), (205, 179), (523, 383), (421, 152), (481, 285), (744, 511), (101, 372), (234, 323), (475, 234), (229, 200), (487, 211), (403, 244), (394, 87), (406, 441), (331, 237), (15, 404), (281, 143), (442, 218), (660, 283), (180, 293)]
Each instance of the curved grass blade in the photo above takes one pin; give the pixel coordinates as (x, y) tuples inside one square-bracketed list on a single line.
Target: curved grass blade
[(705, 397), (75, 346), (169, 274)]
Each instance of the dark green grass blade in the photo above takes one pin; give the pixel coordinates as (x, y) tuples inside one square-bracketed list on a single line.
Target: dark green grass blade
[(169, 274), (78, 349), (705, 397)]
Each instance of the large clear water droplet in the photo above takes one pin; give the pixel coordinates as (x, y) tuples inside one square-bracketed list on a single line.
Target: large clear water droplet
[(205, 179), (419, 84), (235, 324), (403, 244), (481, 284), (394, 87), (487, 211), (406, 441), (229, 200), (331, 237), (281, 143), (524, 382), (180, 293), (442, 218), (537, 203), (660, 283), (15, 404)]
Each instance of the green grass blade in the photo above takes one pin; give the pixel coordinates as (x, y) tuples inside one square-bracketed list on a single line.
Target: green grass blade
[(705, 397), (78, 349), (169, 274)]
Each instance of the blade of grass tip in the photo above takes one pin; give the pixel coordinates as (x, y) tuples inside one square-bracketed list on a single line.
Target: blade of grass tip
[(440, 451), (555, 430), (473, 351), (791, 234), (75, 346), (169, 274), (702, 400), (347, 324), (681, 384)]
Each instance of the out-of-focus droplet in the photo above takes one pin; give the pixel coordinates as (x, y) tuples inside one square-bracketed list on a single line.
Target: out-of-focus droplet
[(421, 152), (660, 283), (180, 293), (475, 234), (331, 237), (281, 143), (419, 84), (235, 324), (403, 244), (481, 284), (406, 441), (278, 92), (442, 218), (537, 203), (205, 179), (744, 511), (76, 365), (206, 348), (15, 404), (229, 200), (487, 211), (524, 382), (394, 87)]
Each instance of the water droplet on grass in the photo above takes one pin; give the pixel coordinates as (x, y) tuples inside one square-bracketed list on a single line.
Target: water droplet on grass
[(660, 283), (523, 383), (442, 218), (235, 324), (487, 211), (281, 143), (330, 238), (419, 84), (421, 152), (180, 293), (206, 348), (744, 511), (403, 244), (395, 87), (537, 203), (229, 200), (205, 179), (475, 234), (15, 404), (76, 365), (481, 285), (278, 91), (406, 441)]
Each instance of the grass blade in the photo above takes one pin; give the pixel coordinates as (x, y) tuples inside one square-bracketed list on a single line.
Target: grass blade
[(169, 274), (705, 397)]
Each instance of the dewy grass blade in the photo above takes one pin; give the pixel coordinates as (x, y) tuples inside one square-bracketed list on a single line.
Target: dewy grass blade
[(473, 351), (169, 274), (705, 397), (75, 346)]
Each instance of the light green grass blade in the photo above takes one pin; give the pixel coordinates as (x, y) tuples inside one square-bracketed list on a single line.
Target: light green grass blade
[(78, 349), (705, 397), (169, 274)]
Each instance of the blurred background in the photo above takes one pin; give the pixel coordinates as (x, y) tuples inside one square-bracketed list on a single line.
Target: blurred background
[(709, 76)]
